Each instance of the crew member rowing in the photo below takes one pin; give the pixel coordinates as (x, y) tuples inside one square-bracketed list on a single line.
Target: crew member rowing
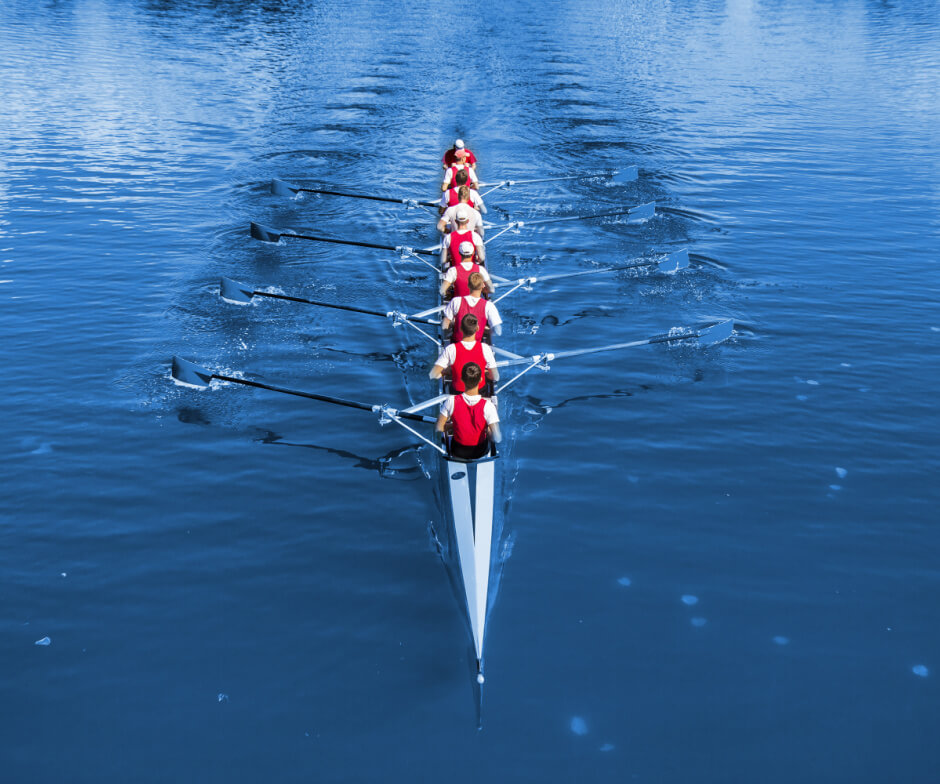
[(458, 275), (483, 309), (450, 157), (474, 417), (463, 233), (450, 174), (455, 356), (448, 221), (461, 193)]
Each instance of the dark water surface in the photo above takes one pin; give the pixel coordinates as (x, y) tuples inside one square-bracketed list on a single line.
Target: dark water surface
[(714, 565)]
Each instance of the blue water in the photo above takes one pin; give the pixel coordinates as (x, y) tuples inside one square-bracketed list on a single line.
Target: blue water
[(714, 565)]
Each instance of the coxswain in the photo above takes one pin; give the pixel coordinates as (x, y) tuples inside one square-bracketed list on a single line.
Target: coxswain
[(458, 275), (450, 157), (475, 420), (462, 233), (450, 174), (471, 349), (462, 193), (448, 221), (483, 309)]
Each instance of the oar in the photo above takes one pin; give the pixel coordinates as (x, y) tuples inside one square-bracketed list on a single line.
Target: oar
[(190, 373), (628, 174), (281, 188), (708, 336), (233, 291), (674, 262), (639, 212), (266, 234)]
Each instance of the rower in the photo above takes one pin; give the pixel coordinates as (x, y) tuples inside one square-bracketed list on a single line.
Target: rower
[(483, 309), (471, 349), (474, 417), (448, 221), (461, 165), (458, 275), (450, 156), (463, 233), (455, 195)]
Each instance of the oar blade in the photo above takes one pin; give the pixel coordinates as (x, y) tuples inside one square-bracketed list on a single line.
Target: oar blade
[(629, 174), (716, 333), (190, 373), (264, 233), (642, 212), (679, 260), (233, 291), (281, 188)]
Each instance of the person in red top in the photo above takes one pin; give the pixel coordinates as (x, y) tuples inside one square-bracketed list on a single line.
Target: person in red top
[(450, 157), (458, 275), (474, 418), (470, 349), (451, 249), (483, 309), (451, 172)]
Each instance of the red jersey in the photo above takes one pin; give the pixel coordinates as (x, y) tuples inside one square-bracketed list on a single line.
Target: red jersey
[(462, 284), (463, 356), (469, 422), (453, 175), (453, 199), (478, 310), (455, 238), (450, 158)]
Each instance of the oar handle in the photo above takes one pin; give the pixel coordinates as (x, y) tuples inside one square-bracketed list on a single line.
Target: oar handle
[(313, 396)]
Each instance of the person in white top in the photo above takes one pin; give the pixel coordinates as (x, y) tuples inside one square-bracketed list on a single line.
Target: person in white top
[(448, 221), (449, 355), (472, 433), (463, 233), (466, 268), (460, 306), (461, 192), (460, 166)]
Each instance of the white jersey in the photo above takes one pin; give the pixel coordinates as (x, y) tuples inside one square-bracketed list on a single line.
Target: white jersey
[(475, 198), (450, 217), (470, 172), (492, 314), (489, 410), (451, 275), (449, 354)]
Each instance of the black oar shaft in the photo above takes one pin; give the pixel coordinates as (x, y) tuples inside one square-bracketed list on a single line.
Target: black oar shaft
[(389, 199), (357, 243), (313, 396), (334, 305)]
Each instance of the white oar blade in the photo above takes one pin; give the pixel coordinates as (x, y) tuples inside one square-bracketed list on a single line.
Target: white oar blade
[(233, 291), (629, 174), (264, 233), (190, 373), (674, 261), (717, 333), (643, 211), (281, 188)]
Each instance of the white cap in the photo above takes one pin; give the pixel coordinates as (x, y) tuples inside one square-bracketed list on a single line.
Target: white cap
[(465, 248), (458, 145), (462, 213)]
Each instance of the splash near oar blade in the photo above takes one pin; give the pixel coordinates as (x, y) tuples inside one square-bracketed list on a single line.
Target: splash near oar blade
[(630, 174), (716, 333), (642, 212), (233, 291), (264, 233), (679, 260), (281, 188), (190, 373)]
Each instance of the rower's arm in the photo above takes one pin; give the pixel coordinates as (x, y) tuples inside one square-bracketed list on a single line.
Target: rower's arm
[(494, 431), (445, 286), (442, 423), (492, 373), (441, 224)]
